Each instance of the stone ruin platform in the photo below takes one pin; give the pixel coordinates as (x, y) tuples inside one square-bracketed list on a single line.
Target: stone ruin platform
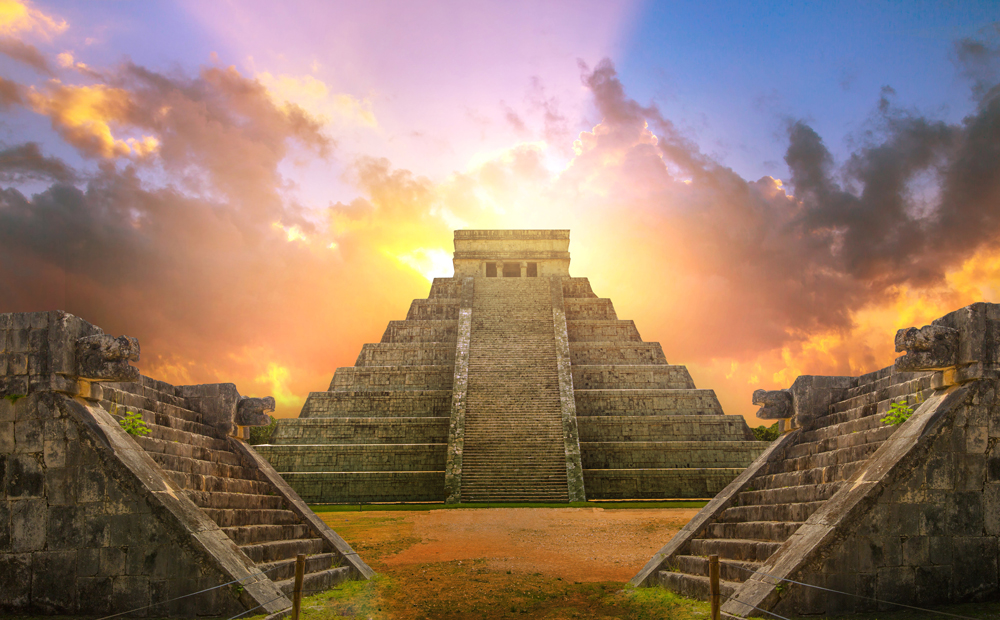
[(511, 382), (96, 521), (871, 514)]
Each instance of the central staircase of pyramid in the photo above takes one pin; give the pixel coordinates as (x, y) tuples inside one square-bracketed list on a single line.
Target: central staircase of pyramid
[(513, 425), (512, 381), (803, 470), (223, 477)]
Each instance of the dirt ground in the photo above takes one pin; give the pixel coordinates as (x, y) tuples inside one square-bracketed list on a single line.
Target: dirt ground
[(505, 562), (576, 544)]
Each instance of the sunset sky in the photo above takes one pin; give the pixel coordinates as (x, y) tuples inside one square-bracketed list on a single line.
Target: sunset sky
[(254, 189)]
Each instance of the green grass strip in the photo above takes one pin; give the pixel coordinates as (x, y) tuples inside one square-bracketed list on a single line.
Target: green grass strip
[(608, 505)]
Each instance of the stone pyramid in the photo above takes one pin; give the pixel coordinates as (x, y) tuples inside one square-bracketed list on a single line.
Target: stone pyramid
[(511, 382)]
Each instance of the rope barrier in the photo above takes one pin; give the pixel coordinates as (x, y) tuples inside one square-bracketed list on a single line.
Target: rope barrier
[(239, 581), (861, 596), (757, 608)]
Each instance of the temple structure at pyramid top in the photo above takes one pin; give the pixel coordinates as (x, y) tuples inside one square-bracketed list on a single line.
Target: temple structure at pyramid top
[(512, 253), (512, 381)]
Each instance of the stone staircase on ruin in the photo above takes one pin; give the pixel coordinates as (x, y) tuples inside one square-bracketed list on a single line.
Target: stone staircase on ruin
[(787, 491), (512, 381), (230, 491), (379, 433), (645, 430), (514, 447)]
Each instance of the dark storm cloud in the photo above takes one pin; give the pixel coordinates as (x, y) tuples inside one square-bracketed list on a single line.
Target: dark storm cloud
[(917, 198), (26, 162)]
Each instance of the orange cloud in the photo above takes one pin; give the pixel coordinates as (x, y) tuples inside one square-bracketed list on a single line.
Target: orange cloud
[(22, 18), (83, 115)]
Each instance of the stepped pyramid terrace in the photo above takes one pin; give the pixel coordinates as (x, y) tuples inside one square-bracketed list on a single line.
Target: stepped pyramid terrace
[(846, 514), (98, 520), (512, 381)]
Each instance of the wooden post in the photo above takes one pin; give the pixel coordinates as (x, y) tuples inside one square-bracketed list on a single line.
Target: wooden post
[(300, 571), (713, 584)]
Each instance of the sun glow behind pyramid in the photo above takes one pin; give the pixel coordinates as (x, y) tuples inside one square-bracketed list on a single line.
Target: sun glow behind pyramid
[(255, 193)]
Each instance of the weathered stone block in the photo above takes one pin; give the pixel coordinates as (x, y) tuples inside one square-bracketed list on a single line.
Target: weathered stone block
[(975, 574), (894, 583), (28, 523), (7, 443), (130, 590), (965, 514), (24, 476), (15, 589), (88, 562), (17, 364)]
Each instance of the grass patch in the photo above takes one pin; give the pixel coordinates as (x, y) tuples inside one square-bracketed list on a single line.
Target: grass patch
[(606, 505), (453, 591)]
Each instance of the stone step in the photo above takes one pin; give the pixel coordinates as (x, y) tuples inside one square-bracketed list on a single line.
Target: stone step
[(589, 308), (255, 534), (175, 448), (363, 430), (285, 569), (122, 401), (204, 468), (215, 484), (575, 288), (734, 548), (437, 309), (355, 457), (773, 531), (646, 402), (390, 404), (445, 288), (693, 586), (512, 495), (421, 331), (601, 331), (180, 424), (817, 475), (668, 454), (279, 550), (314, 583), (858, 424), (840, 456), (385, 378), (406, 354), (729, 570), (876, 435), (616, 352), (252, 501), (662, 428), (147, 388), (798, 512), (173, 435), (788, 495), (633, 376), (235, 517)]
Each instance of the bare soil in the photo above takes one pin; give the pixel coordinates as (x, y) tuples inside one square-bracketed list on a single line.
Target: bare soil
[(506, 562)]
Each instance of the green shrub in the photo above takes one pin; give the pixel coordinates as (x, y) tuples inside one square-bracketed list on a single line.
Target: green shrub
[(134, 424), (898, 413), (766, 433), (262, 434)]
